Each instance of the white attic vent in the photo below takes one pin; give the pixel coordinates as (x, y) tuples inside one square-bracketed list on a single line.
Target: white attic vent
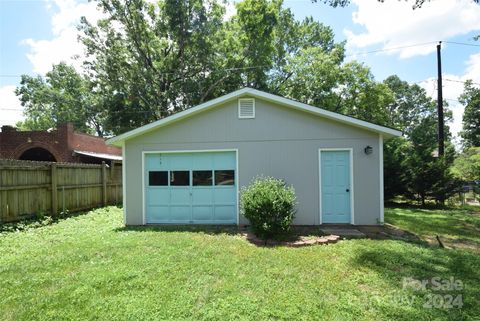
[(246, 108)]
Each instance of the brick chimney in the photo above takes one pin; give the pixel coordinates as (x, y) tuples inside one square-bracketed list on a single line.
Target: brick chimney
[(65, 128), (65, 133)]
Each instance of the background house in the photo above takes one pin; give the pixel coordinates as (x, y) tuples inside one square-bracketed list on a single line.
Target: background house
[(63, 144)]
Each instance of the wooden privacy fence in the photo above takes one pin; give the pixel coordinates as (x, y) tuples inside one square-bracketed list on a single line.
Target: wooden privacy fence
[(28, 188)]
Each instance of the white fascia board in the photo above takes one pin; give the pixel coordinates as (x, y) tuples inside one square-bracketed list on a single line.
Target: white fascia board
[(327, 114), (387, 132)]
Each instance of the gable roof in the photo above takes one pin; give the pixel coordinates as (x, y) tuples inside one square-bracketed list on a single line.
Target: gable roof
[(250, 92)]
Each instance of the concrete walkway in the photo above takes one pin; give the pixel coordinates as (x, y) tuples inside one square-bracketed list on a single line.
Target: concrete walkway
[(343, 232)]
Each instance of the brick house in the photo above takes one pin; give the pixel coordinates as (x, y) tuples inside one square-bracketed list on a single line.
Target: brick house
[(63, 144)]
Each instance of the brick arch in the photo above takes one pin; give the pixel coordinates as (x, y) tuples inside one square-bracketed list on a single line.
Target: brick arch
[(26, 146)]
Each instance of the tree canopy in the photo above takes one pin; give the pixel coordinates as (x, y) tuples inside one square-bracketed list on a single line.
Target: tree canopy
[(411, 165), (63, 95), (471, 116), (467, 165), (152, 60), (145, 61)]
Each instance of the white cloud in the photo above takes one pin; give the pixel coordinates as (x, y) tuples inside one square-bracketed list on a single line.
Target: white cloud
[(230, 10), (453, 88), (64, 45), (11, 110), (44, 53), (395, 24)]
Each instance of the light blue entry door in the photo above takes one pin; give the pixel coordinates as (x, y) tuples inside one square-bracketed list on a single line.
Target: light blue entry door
[(335, 186), (191, 188)]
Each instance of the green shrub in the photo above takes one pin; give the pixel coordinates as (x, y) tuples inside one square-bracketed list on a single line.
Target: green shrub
[(269, 205)]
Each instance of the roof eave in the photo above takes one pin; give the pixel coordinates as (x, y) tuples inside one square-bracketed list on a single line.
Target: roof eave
[(119, 140), (384, 131)]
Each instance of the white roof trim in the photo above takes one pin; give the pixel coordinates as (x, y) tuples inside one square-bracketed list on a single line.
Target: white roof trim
[(98, 155), (387, 132)]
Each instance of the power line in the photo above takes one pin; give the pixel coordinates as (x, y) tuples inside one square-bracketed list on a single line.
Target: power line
[(264, 66), (451, 99), (434, 89), (391, 48), (410, 46), (462, 43), (460, 81), (162, 73), (110, 112)]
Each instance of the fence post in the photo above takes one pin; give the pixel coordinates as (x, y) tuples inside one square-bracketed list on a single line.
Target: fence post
[(53, 174), (104, 183)]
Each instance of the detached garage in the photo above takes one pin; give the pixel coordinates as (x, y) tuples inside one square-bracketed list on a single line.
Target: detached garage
[(188, 168)]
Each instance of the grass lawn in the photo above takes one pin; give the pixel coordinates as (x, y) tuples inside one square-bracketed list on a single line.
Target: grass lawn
[(90, 267), (457, 228)]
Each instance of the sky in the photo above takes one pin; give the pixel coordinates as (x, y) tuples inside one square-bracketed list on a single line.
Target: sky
[(34, 34)]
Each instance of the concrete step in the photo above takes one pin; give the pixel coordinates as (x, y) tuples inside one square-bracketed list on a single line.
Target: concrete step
[(343, 232)]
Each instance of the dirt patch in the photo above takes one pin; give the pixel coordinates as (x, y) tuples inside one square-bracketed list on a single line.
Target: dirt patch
[(454, 243), (297, 241), (388, 232)]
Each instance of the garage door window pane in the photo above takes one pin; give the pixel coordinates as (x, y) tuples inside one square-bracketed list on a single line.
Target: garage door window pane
[(202, 178), (179, 178), (225, 177), (158, 178)]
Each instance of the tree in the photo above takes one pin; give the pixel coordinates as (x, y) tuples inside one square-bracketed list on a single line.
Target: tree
[(306, 61), (62, 96), (428, 175), (256, 21), (309, 76), (467, 165), (411, 166), (309, 67), (361, 96), (395, 180), (154, 59), (471, 116), (409, 106)]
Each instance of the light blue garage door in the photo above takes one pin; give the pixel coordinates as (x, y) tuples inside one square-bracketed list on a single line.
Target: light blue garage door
[(191, 188), (335, 186)]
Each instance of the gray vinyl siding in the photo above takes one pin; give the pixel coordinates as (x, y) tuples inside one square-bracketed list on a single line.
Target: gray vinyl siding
[(279, 142)]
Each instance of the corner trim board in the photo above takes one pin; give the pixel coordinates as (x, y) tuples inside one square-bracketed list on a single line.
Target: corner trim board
[(124, 185), (381, 183)]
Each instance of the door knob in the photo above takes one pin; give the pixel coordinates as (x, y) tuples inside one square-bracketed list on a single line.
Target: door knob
[(347, 190)]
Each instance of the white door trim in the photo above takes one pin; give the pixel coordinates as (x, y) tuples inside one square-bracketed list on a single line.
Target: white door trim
[(352, 185), (237, 183)]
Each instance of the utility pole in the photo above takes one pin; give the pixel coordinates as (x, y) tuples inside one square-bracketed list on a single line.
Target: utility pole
[(441, 135)]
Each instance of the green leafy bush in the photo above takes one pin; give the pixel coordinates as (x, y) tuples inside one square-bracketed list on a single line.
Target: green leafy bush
[(269, 205)]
